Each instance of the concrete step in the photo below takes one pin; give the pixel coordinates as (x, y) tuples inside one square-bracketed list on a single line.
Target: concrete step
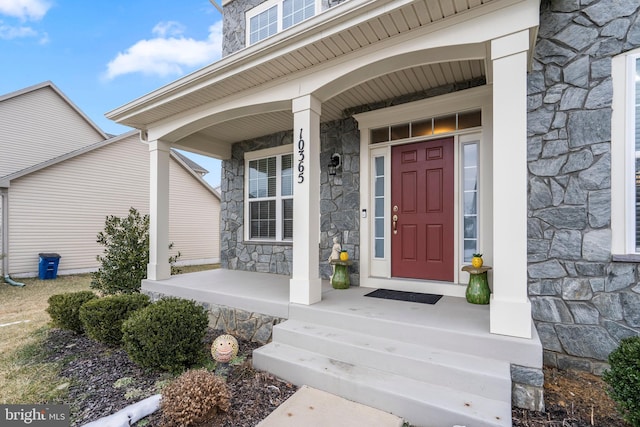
[(420, 361), (453, 331), (418, 402)]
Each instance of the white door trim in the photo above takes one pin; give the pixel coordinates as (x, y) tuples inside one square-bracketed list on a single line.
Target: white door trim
[(377, 273)]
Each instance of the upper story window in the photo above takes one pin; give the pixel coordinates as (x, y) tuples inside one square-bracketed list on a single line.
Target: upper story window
[(625, 154), (274, 16), (269, 197)]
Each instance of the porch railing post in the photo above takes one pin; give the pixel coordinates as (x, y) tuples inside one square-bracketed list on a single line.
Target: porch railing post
[(510, 309), (305, 286)]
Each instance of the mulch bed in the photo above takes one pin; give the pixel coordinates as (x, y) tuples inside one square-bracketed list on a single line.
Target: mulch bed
[(572, 399), (96, 373)]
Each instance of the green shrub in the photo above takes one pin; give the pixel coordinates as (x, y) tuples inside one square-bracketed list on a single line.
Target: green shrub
[(64, 309), (166, 335), (126, 254), (623, 379), (102, 318)]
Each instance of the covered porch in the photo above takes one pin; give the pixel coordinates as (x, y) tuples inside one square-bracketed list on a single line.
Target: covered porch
[(366, 79), (435, 364), (374, 54)]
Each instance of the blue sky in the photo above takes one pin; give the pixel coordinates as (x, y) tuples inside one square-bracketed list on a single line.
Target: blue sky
[(103, 54)]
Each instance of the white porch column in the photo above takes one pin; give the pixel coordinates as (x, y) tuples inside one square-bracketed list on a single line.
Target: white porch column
[(305, 286), (510, 309), (158, 267)]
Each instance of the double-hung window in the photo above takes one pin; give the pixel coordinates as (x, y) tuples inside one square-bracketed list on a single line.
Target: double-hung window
[(625, 156), (269, 195), (274, 16)]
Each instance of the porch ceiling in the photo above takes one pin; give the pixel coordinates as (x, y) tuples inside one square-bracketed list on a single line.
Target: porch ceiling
[(386, 87), (342, 29)]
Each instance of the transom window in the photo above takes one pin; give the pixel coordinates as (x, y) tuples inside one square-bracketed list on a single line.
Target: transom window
[(427, 127), (269, 183), (274, 16)]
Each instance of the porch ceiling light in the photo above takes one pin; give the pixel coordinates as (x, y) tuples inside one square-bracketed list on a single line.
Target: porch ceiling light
[(334, 163)]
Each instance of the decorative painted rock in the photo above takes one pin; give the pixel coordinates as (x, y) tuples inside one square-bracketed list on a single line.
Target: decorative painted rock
[(224, 348)]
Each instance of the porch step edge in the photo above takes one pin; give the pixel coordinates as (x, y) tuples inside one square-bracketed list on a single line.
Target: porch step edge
[(487, 377), (519, 351), (420, 403)]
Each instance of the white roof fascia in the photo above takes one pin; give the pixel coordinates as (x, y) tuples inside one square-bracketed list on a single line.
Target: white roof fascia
[(55, 88)]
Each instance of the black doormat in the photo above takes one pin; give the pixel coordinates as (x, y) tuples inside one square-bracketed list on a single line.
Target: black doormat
[(405, 296)]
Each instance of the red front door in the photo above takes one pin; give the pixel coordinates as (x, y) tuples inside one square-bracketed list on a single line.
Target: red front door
[(422, 210)]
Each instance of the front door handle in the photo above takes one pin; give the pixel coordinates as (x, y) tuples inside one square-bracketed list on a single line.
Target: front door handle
[(395, 224)]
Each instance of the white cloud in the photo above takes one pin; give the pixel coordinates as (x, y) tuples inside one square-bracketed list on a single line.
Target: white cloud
[(170, 28), (168, 53), (32, 10), (8, 32)]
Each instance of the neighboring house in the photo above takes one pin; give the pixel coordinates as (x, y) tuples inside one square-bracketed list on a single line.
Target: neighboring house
[(505, 127), (60, 176)]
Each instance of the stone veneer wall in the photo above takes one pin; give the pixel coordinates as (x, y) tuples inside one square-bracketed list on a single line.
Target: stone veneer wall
[(339, 194), (583, 303), (233, 25), (234, 22), (339, 204), (235, 253)]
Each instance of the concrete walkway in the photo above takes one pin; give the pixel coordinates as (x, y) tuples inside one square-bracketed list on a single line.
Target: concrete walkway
[(310, 407)]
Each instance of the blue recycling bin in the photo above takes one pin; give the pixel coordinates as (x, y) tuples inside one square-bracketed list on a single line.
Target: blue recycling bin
[(48, 266)]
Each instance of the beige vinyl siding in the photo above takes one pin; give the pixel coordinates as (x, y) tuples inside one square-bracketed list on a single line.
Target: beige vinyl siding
[(194, 217), (38, 126), (63, 207)]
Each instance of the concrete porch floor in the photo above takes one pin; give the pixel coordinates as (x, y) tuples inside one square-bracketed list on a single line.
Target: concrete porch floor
[(268, 294)]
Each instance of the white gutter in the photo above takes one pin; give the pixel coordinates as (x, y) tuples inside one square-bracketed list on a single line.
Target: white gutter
[(4, 253), (216, 5)]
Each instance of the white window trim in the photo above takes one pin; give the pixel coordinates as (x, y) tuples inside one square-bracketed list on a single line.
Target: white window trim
[(268, 5), (461, 140), (261, 154), (623, 217)]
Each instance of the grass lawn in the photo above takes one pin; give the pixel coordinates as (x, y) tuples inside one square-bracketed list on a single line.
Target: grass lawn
[(24, 377)]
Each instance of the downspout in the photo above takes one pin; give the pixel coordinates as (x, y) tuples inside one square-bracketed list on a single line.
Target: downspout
[(4, 194)]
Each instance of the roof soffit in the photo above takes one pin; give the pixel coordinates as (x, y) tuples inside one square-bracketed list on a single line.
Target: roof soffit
[(327, 36)]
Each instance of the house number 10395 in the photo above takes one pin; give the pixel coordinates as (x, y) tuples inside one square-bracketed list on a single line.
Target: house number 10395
[(300, 159)]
